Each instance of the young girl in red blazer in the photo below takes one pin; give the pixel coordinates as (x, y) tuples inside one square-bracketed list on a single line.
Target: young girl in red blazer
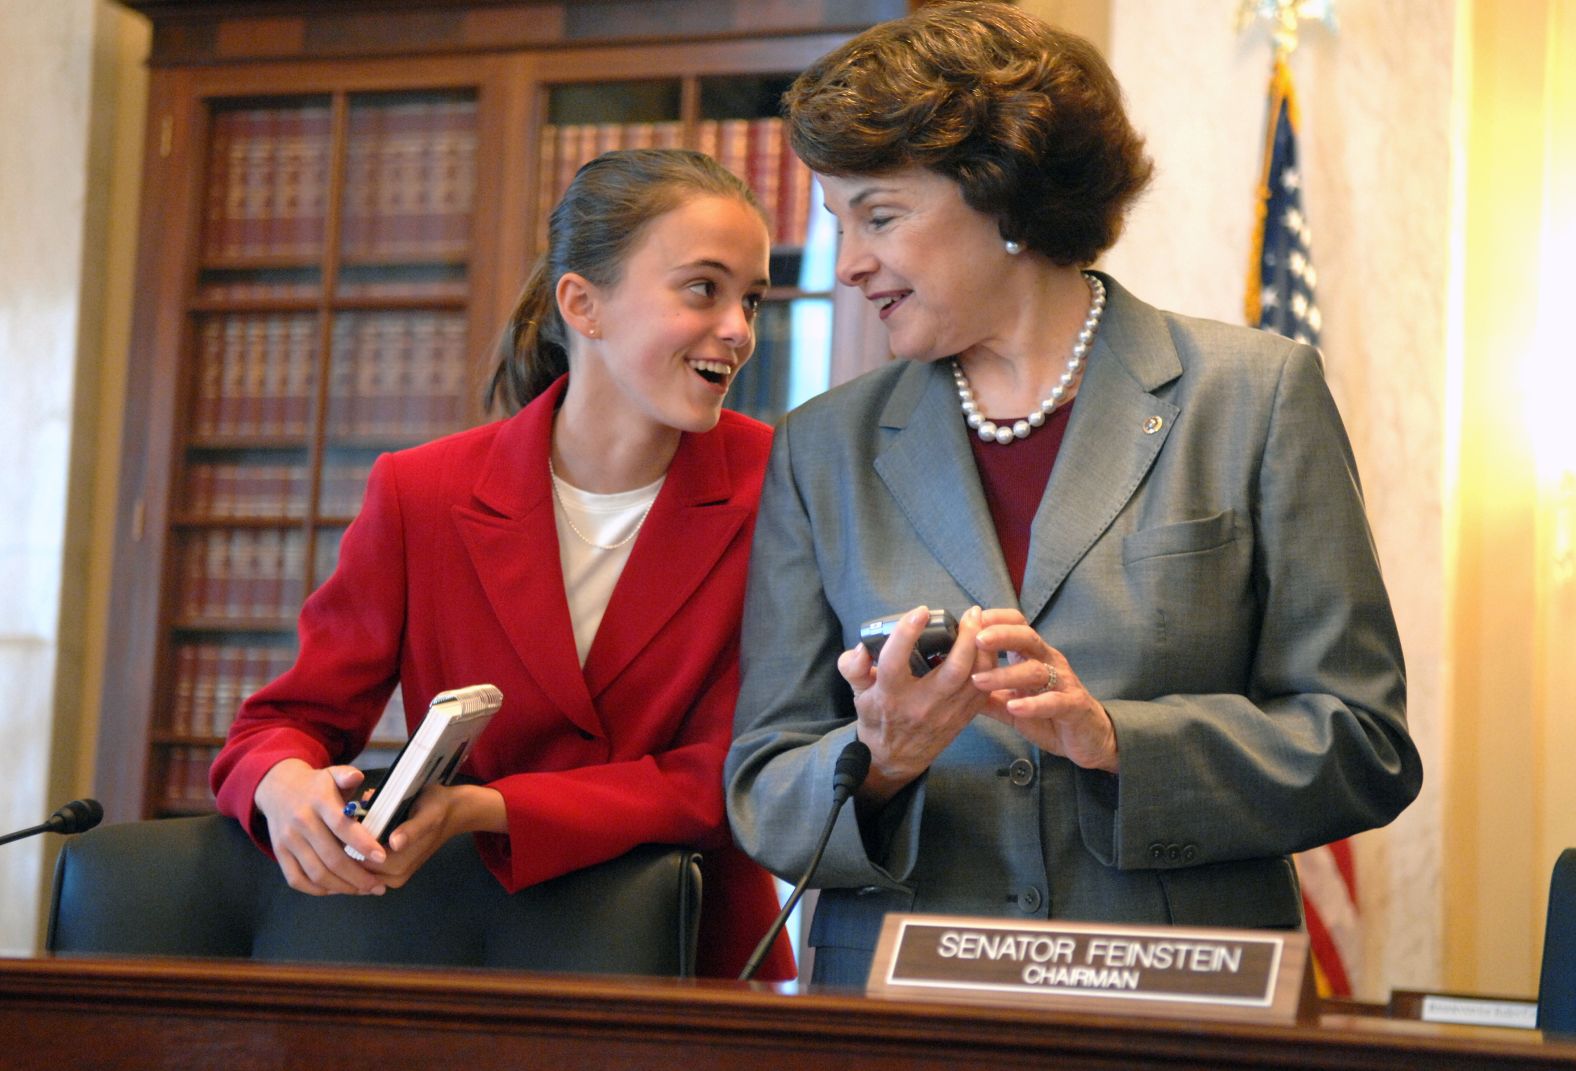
[(586, 555)]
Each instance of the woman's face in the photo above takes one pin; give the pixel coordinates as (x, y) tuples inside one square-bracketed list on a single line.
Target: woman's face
[(929, 263), (680, 322)]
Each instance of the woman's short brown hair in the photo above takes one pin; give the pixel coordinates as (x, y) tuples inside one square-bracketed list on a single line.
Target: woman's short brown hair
[(1026, 118)]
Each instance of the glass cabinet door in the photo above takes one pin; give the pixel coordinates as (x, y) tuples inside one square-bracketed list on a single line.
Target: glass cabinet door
[(327, 324)]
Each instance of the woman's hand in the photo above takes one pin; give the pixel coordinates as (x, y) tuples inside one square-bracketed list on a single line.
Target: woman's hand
[(305, 810), (1038, 694), (439, 813), (907, 721)]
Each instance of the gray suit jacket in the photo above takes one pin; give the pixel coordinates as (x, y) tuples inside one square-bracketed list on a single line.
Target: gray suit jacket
[(1201, 556)]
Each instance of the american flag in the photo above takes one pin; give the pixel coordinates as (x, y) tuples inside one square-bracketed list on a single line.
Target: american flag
[(1280, 298), (1281, 278)]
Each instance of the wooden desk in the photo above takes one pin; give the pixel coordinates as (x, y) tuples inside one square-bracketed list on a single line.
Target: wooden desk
[(237, 1016)]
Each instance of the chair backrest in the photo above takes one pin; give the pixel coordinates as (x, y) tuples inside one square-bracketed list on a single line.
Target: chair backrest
[(1557, 987), (199, 887)]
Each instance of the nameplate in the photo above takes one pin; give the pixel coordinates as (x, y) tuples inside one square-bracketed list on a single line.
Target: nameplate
[(1179, 971)]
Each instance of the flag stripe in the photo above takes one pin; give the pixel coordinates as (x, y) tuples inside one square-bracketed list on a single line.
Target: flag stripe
[(1280, 297)]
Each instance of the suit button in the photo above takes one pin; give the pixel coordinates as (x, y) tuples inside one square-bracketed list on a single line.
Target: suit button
[(1021, 772), (1157, 851), (1173, 853), (1029, 900), (1189, 852)]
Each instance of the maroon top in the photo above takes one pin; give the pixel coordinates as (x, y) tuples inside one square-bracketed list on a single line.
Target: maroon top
[(1014, 478)]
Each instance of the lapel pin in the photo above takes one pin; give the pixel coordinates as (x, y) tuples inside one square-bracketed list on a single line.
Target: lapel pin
[(1152, 425)]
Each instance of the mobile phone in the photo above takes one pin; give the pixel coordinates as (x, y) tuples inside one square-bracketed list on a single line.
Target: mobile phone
[(453, 721), (929, 650)]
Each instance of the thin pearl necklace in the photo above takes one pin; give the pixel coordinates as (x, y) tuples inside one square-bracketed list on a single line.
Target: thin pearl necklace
[(570, 521), (1020, 429)]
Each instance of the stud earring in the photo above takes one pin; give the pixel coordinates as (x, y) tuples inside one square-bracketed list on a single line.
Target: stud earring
[(1013, 247)]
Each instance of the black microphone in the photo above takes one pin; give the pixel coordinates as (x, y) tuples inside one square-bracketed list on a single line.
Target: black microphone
[(853, 764), (78, 816)]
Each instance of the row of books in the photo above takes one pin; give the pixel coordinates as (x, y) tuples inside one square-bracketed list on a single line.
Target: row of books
[(754, 149), (211, 680), (410, 180), (410, 177), (242, 574), (409, 185), (399, 374), (267, 181), (244, 489), (256, 375)]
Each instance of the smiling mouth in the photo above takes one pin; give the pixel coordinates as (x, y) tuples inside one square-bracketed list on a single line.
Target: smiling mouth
[(717, 373), (887, 302)]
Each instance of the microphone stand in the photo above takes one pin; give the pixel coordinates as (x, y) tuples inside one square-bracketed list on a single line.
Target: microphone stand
[(852, 766)]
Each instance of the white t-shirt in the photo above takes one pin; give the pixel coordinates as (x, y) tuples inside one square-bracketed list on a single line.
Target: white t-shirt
[(591, 572)]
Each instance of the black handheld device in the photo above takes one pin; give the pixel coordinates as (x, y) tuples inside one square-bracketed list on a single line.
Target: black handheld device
[(929, 650)]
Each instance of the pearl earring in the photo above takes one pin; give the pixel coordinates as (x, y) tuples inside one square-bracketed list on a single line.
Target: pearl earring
[(1013, 247)]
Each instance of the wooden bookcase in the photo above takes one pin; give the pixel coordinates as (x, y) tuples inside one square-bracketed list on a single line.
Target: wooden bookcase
[(341, 201)]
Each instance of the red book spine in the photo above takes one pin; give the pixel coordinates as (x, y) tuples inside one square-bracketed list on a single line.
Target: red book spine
[(451, 176), (210, 377), (204, 689), (263, 379), (451, 367), (292, 575), (547, 190), (240, 568), (252, 168), (708, 138), (797, 191), (359, 204), (733, 146), (185, 679), (766, 172), (216, 580)]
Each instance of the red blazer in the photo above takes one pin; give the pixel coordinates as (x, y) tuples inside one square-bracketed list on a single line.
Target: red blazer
[(450, 576)]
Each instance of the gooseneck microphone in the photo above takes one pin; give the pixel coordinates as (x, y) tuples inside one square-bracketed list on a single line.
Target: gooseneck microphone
[(853, 764), (75, 817)]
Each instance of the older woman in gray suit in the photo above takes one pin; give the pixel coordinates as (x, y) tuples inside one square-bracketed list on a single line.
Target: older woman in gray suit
[(1175, 662)]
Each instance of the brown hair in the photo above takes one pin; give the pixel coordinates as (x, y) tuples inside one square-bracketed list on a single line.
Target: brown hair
[(1026, 118), (592, 231)]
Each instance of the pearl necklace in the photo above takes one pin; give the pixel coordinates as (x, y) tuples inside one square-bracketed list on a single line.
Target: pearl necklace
[(1020, 429), (570, 521)]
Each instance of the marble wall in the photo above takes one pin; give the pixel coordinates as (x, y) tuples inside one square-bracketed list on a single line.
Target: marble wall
[(45, 80)]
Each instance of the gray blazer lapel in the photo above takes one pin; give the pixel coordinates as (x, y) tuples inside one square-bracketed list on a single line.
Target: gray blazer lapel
[(928, 467), (1112, 439)]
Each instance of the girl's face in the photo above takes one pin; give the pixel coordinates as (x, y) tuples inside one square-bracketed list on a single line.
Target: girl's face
[(679, 323), (930, 264)]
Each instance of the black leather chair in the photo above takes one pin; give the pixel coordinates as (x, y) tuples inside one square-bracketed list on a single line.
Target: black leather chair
[(1557, 987), (199, 887)]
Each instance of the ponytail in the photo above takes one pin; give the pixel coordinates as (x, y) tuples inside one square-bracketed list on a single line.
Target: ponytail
[(532, 352)]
